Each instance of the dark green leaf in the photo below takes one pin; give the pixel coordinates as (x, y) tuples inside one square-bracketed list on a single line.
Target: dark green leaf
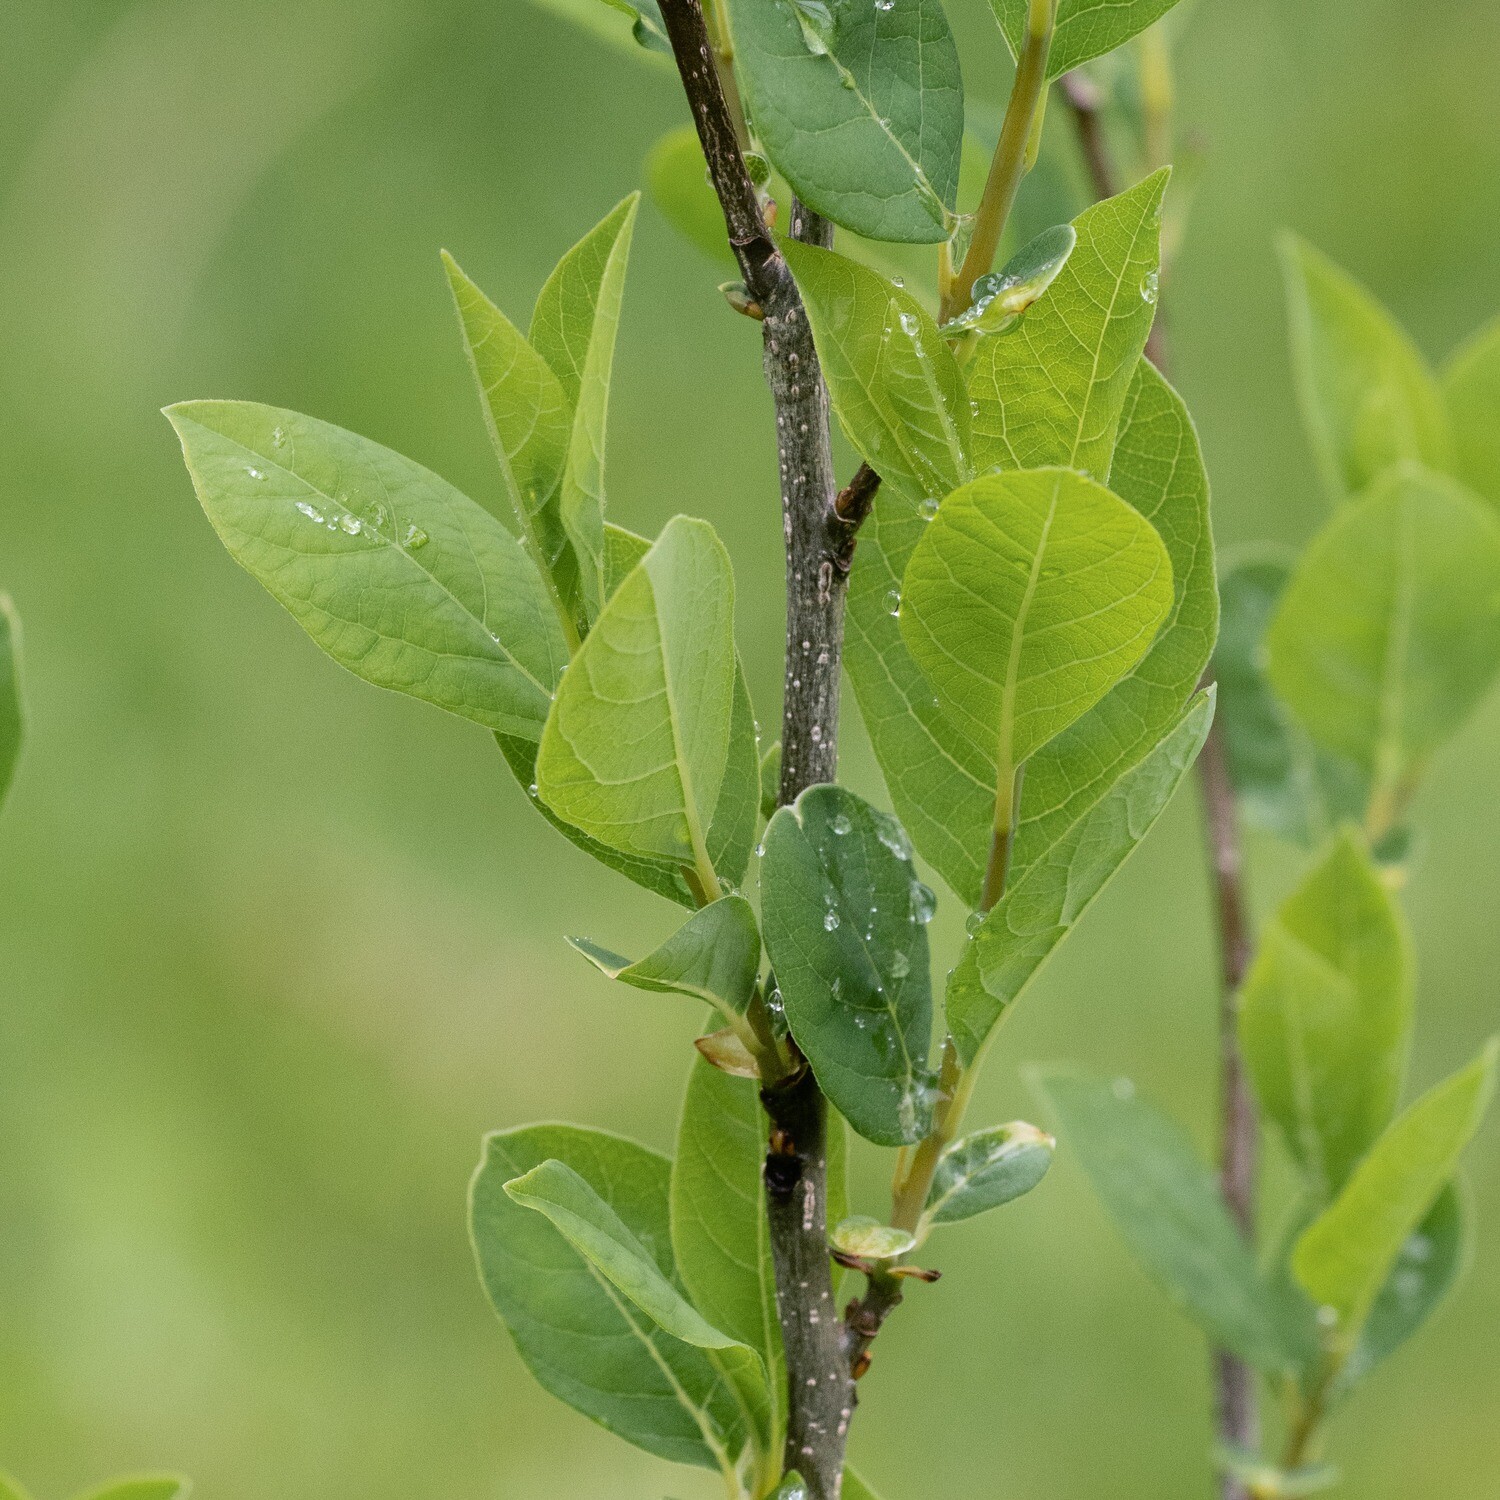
[(845, 927), (1085, 28), (1325, 1015), (1166, 1205), (860, 108), (1345, 1256), (580, 1338), (714, 956), (987, 1169), (392, 571), (1369, 400), (891, 377)]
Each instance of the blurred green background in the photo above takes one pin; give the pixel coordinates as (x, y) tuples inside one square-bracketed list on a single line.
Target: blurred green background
[(275, 948)]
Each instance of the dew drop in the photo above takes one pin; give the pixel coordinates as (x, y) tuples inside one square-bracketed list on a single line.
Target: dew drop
[(900, 965), (830, 920), (840, 824), (350, 525), (254, 473), (909, 324), (923, 902), (893, 602), (928, 509), (278, 438), (413, 538), (310, 511), (1150, 284), (973, 922)]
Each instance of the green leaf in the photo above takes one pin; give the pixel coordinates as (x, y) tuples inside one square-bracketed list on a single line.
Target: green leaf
[(1325, 1015), (718, 1208), (677, 177), (573, 328), (1282, 782), (793, 1487), (856, 1489), (146, 1487), (1001, 297), (12, 720), (1052, 391), (635, 750), (1369, 400), (845, 927), (770, 781), (860, 108), (1471, 383), (1085, 28), (1165, 1203), (10, 1489), (714, 956), (392, 571), (891, 376), (1044, 901), (636, 29), (731, 834), (1427, 1265), (1028, 597), (943, 785), (1345, 1256), (859, 1236), (554, 1190), (582, 1339), (1388, 634), (987, 1169)]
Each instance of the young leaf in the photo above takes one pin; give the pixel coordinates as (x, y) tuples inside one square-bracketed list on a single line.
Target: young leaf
[(1425, 1269), (844, 918), (793, 1487), (856, 1489), (891, 376), (1000, 297), (719, 1232), (1369, 399), (634, 752), (1388, 634), (1325, 1015), (554, 1190), (1346, 1254), (393, 572), (1282, 782), (714, 955), (1045, 900), (987, 1169), (1471, 384), (861, 1237), (1052, 391), (1166, 1205), (860, 108), (677, 177), (1085, 29), (12, 723), (573, 328), (582, 1340), (1028, 597), (147, 1487)]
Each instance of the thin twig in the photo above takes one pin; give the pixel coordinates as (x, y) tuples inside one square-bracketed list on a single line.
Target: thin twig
[(1237, 1404), (819, 546)]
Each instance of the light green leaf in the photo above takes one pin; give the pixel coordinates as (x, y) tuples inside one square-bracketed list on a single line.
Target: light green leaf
[(714, 956), (856, 1489), (1346, 1254), (1427, 1265), (1085, 28), (1044, 901), (987, 1169), (1001, 297), (635, 29), (12, 720), (845, 928), (1471, 383), (10, 1489), (677, 177), (793, 1487), (392, 571), (146, 1487), (573, 328), (943, 785), (554, 1190), (1052, 391), (861, 1237), (719, 1232), (1325, 1015), (891, 376), (1388, 634), (1282, 782), (1028, 597), (1369, 400), (582, 1339), (1165, 1204), (731, 835), (862, 113), (635, 750)]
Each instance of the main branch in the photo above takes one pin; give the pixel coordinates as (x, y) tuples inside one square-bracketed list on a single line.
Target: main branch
[(819, 546)]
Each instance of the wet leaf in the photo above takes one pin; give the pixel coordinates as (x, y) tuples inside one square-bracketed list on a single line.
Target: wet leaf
[(1002, 296), (863, 1238), (986, 1170)]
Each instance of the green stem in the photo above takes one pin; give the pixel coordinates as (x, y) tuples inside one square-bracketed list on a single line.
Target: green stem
[(1012, 157)]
